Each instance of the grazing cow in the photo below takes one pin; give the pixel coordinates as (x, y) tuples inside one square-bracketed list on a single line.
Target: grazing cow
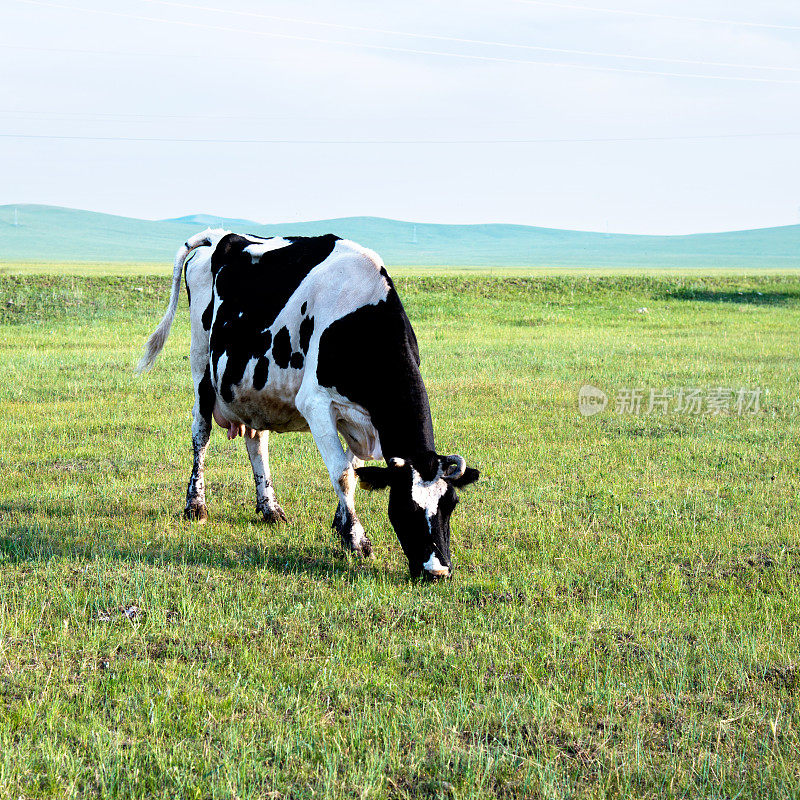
[(308, 333)]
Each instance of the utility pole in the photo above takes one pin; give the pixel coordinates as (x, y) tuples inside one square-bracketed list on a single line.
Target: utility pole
[(16, 217), (414, 235)]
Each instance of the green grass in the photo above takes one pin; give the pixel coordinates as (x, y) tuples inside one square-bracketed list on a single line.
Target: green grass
[(623, 617)]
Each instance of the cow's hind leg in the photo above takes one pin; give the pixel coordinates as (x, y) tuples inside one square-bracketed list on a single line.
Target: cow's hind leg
[(266, 502), (201, 433), (340, 468)]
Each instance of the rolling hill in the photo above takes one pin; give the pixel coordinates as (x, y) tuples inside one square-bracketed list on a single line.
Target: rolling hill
[(51, 233)]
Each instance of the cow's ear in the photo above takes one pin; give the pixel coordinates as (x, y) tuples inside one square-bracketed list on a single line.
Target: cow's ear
[(470, 476), (456, 472), (374, 477)]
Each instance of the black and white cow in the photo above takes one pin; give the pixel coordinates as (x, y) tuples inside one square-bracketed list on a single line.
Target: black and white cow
[(308, 333)]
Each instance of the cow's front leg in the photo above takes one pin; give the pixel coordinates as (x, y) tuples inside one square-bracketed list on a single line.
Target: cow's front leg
[(266, 502), (345, 516), (320, 420)]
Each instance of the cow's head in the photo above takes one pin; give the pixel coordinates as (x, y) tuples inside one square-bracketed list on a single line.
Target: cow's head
[(422, 497)]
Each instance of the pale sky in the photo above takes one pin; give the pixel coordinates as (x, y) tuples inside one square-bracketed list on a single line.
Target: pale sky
[(426, 127)]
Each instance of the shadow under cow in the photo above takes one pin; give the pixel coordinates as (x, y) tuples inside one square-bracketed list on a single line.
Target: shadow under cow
[(30, 543)]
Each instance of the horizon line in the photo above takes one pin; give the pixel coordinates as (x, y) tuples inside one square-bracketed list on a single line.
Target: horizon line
[(182, 220)]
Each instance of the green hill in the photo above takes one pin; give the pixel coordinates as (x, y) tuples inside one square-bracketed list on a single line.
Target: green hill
[(49, 233)]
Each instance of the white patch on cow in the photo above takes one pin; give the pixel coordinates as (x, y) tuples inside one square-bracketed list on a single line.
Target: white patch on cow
[(200, 281), (435, 567), (217, 303), (358, 533), (272, 498), (221, 364), (249, 369), (428, 494), (397, 462), (370, 255), (255, 251)]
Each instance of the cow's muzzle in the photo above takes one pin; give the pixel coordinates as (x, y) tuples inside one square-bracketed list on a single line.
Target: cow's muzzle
[(434, 569)]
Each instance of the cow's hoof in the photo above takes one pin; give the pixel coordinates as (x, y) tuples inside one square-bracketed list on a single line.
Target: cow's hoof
[(196, 513), (271, 514), (351, 534), (360, 549), (365, 549)]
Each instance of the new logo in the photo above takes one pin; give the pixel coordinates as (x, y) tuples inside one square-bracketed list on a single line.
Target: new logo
[(591, 400)]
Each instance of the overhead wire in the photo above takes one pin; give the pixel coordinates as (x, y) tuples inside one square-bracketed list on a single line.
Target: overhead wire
[(462, 40), (658, 15), (134, 53), (408, 50), (204, 56), (592, 140), (97, 116)]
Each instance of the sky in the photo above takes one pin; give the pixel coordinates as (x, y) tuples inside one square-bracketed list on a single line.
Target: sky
[(634, 116)]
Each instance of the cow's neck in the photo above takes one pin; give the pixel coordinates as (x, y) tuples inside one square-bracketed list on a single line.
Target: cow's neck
[(371, 358), (404, 424)]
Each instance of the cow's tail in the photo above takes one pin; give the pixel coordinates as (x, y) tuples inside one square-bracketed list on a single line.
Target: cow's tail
[(159, 336)]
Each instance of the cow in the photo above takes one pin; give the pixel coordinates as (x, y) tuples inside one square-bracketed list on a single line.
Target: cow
[(308, 333)]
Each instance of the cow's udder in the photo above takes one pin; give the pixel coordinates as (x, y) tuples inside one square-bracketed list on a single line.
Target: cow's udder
[(234, 428)]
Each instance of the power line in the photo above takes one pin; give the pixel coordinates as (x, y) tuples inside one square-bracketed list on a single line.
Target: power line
[(135, 53), (204, 56), (414, 51), (114, 117), (695, 137), (92, 116), (483, 42), (655, 15)]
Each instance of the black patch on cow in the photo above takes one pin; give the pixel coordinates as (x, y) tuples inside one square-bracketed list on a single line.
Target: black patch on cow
[(206, 395), (252, 294), (296, 361), (208, 315), (226, 382), (306, 329), (188, 294), (303, 307), (261, 373), (381, 373), (282, 348)]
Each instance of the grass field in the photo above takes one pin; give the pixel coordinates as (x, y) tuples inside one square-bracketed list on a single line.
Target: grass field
[(623, 617)]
